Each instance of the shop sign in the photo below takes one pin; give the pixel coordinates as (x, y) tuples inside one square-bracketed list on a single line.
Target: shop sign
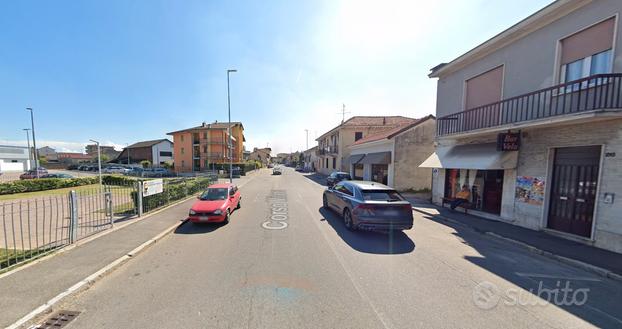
[(508, 142), (151, 187)]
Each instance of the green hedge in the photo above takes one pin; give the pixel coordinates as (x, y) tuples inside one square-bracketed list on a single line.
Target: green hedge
[(43, 184), (173, 190), (118, 180)]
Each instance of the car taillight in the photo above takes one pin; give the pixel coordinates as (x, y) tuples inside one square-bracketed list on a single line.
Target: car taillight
[(407, 207)]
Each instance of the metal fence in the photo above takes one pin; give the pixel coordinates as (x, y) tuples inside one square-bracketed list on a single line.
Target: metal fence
[(32, 227)]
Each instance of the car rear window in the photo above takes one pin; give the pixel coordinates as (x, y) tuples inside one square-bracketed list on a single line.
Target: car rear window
[(381, 195), (342, 176)]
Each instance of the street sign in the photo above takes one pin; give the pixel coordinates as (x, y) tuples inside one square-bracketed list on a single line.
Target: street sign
[(508, 142), (154, 186)]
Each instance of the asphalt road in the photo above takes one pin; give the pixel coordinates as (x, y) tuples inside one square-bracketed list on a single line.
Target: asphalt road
[(313, 273)]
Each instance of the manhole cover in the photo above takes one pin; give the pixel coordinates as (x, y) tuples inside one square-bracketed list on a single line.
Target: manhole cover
[(58, 319)]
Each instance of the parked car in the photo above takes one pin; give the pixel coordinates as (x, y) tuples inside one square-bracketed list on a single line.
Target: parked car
[(216, 204), (73, 167), (300, 169), (369, 205), (276, 171), (30, 174), (115, 170), (156, 172), (134, 171), (337, 177), (57, 175)]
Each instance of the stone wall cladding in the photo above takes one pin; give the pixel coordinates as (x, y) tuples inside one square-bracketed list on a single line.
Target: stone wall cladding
[(411, 149)]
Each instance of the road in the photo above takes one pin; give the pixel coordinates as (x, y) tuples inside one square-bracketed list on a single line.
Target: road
[(313, 273)]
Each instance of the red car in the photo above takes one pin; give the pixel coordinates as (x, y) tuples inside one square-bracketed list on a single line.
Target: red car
[(216, 204)]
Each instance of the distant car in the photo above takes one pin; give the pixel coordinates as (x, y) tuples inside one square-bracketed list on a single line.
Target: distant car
[(276, 171), (57, 175), (73, 167), (114, 170), (300, 169), (216, 204), (337, 177), (30, 174), (236, 172), (156, 172), (369, 205)]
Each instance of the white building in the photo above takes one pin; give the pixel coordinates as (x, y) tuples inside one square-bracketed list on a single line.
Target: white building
[(14, 158)]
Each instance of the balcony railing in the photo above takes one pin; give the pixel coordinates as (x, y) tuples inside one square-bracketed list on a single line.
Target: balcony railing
[(332, 149), (597, 92)]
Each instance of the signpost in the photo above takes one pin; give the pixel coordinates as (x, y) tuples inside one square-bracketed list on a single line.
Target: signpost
[(151, 187), (508, 142)]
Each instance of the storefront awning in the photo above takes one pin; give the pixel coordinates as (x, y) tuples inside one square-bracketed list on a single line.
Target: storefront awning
[(355, 158), (377, 158), (472, 156)]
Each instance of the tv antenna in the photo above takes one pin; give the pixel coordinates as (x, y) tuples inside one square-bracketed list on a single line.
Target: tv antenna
[(343, 113)]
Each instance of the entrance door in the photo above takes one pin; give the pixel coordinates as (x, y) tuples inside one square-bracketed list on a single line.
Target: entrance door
[(573, 189)]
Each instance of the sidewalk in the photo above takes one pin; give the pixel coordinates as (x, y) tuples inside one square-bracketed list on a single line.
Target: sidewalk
[(29, 287), (607, 263)]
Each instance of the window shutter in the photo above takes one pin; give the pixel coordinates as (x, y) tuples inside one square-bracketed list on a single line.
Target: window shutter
[(588, 42)]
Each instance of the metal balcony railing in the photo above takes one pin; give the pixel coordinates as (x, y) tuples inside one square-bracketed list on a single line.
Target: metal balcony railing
[(597, 92)]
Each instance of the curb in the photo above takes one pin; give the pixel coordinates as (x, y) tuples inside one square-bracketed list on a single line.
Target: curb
[(91, 279), (568, 261)]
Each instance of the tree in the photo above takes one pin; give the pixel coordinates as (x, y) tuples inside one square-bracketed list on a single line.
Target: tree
[(145, 163), (43, 160), (105, 158)]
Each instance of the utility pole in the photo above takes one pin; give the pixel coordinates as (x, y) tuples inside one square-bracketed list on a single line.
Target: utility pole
[(307, 131), (29, 152), (127, 147), (99, 162), (34, 143), (229, 145), (343, 113)]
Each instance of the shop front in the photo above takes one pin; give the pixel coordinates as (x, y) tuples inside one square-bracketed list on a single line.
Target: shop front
[(375, 166), (486, 172)]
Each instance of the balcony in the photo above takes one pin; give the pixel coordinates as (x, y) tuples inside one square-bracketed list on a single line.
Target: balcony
[(596, 93), (333, 149)]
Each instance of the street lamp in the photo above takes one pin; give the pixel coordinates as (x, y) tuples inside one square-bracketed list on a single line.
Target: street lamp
[(29, 153), (34, 143), (229, 145), (127, 147), (99, 161)]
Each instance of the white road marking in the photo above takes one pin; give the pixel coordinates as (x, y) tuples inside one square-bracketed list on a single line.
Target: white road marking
[(549, 276)]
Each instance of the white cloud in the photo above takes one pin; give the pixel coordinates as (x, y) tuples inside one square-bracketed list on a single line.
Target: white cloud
[(60, 146)]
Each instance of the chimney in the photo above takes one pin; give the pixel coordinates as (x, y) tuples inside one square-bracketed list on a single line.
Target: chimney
[(203, 124)]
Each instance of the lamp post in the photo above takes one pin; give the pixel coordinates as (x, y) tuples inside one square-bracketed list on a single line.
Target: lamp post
[(127, 147), (229, 144), (99, 161), (29, 152), (34, 143)]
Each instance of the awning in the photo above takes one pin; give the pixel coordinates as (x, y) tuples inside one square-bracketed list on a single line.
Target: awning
[(377, 158), (355, 158), (472, 156)]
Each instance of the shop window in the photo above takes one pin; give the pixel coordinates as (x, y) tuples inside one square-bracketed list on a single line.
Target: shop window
[(380, 173), (358, 171), (486, 187)]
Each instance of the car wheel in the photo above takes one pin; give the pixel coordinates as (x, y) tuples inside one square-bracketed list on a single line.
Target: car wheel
[(227, 217), (347, 220), (239, 204), (324, 202)]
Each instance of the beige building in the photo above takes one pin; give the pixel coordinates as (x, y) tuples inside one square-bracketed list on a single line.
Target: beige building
[(531, 122), (310, 159), (261, 154), (333, 152), (392, 157)]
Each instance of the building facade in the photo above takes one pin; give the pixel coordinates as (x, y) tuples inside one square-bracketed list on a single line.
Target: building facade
[(158, 152), (531, 122), (69, 158), (333, 152), (261, 154), (15, 158), (108, 151), (392, 157), (310, 159), (203, 147)]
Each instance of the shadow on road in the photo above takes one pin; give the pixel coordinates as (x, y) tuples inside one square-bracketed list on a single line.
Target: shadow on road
[(197, 228), (316, 177), (541, 279), (391, 243)]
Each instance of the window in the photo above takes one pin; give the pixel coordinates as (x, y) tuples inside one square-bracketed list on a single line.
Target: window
[(601, 63), (334, 163), (381, 195), (342, 189), (326, 163), (595, 64), (182, 150), (205, 135), (181, 137), (166, 154), (183, 163), (358, 135)]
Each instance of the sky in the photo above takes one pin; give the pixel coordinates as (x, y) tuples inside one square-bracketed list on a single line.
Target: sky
[(122, 71)]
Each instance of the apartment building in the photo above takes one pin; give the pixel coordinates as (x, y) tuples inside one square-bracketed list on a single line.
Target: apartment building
[(208, 146), (531, 122), (333, 153), (261, 154)]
